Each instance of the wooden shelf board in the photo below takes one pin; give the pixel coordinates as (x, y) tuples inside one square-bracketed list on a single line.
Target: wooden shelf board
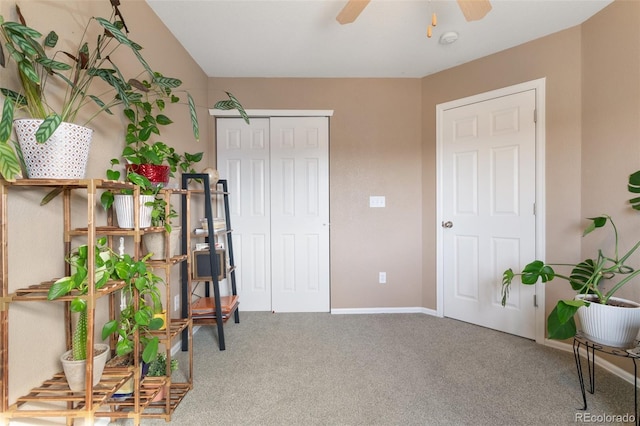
[(176, 326), (38, 292)]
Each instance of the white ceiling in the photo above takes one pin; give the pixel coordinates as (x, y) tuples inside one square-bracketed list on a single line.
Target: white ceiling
[(301, 38)]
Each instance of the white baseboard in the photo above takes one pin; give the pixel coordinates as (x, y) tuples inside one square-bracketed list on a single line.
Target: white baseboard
[(607, 365), (408, 310)]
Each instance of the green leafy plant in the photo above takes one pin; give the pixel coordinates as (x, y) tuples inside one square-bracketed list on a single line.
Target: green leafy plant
[(586, 277), (158, 366), (41, 65), (106, 268), (143, 298)]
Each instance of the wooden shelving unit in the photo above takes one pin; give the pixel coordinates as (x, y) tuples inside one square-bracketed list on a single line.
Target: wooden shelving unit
[(53, 398)]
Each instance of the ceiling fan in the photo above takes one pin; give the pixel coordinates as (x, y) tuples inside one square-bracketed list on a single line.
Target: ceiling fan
[(472, 10)]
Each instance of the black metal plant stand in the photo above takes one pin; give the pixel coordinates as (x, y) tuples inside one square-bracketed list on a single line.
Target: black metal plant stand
[(591, 348)]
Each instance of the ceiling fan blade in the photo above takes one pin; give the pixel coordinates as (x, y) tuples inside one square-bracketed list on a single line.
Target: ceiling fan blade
[(474, 10), (351, 10)]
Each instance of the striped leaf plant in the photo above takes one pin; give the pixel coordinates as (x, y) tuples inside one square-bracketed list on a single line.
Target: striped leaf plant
[(41, 68)]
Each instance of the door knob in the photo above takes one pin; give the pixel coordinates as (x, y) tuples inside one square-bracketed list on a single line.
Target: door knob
[(447, 224)]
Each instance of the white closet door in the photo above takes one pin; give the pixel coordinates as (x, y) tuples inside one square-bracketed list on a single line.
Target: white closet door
[(300, 214), (278, 174), (243, 159)]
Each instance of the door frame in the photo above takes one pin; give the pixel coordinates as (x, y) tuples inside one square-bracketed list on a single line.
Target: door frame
[(540, 235)]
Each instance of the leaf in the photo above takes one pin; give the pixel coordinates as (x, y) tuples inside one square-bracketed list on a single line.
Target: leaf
[(194, 117), (507, 278), (48, 127), (23, 30), (6, 121), (109, 328), (150, 350), (107, 198), (9, 163), (27, 69), (558, 326), (581, 275), (51, 39), (167, 81), (115, 31), (537, 270), (78, 305), (54, 65), (163, 120), (596, 222), (60, 288)]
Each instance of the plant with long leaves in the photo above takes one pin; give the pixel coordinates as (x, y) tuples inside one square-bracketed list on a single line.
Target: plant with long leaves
[(77, 71), (586, 277)]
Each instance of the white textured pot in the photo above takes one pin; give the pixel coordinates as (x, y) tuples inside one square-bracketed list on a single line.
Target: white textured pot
[(75, 371), (63, 156), (123, 204), (608, 325), (154, 243)]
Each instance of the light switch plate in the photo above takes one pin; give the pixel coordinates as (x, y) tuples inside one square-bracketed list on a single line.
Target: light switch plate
[(377, 201)]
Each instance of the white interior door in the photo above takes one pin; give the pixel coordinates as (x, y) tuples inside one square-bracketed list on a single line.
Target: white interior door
[(243, 159), (278, 173), (488, 201), (300, 214)]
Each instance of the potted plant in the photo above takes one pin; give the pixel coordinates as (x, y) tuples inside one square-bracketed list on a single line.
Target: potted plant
[(158, 368), (123, 201), (155, 242), (146, 155), (77, 70), (595, 282), (105, 266)]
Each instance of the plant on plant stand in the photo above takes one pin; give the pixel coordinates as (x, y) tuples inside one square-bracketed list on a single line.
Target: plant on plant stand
[(595, 282), (124, 200), (105, 264), (158, 368), (77, 70)]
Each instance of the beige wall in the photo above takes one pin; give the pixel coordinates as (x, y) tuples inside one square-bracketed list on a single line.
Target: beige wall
[(374, 150)]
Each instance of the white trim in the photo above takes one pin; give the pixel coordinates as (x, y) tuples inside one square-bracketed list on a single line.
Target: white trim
[(408, 310), (539, 86), (273, 113)]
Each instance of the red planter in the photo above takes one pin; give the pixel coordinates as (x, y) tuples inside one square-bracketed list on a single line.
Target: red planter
[(156, 174)]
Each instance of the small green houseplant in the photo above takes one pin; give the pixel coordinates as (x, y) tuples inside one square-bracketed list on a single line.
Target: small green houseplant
[(158, 366), (40, 65), (585, 278)]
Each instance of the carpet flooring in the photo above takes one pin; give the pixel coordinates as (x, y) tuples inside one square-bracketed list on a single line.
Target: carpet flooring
[(385, 369)]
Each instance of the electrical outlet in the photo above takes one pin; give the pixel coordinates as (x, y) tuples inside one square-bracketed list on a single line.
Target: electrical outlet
[(382, 277), (176, 303), (377, 201)]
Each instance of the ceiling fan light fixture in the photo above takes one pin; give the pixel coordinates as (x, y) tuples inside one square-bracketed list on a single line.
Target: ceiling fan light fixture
[(449, 37)]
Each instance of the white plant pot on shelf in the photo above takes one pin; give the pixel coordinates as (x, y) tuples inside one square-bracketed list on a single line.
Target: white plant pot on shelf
[(75, 371), (155, 243), (63, 156), (609, 325), (123, 203)]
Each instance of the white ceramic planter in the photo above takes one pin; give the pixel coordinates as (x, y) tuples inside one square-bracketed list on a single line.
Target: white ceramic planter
[(610, 325), (63, 156), (75, 371), (155, 243), (124, 210)]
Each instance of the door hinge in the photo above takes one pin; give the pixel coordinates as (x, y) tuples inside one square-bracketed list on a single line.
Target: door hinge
[(535, 115), (535, 301), (534, 209)]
